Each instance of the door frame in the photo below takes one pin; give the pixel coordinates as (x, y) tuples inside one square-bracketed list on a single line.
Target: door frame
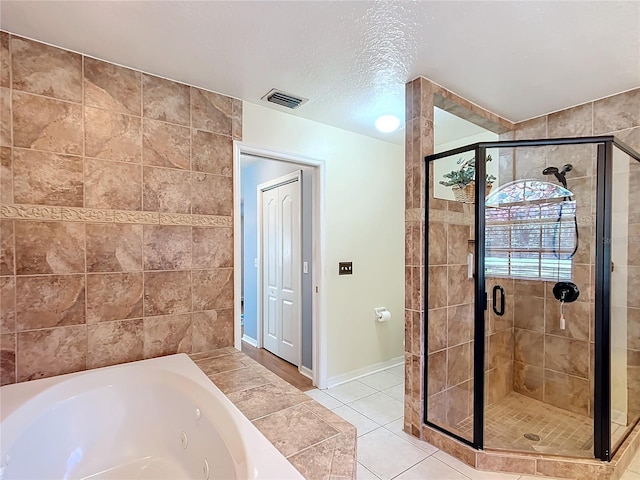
[(318, 321), (261, 188)]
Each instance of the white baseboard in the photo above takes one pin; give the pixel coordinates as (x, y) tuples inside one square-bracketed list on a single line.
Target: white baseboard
[(363, 372), (307, 372), (249, 340)]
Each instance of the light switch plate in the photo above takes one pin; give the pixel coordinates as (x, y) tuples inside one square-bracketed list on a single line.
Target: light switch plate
[(345, 268)]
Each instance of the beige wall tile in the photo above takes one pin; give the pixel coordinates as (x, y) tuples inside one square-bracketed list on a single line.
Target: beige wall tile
[(567, 356), (417, 280), (634, 193), (166, 190), (437, 288), (437, 372), (437, 243), (48, 131), (499, 383), (7, 251), (165, 100), (211, 194), (529, 347), (167, 335), (437, 331), (460, 290), (458, 403), (43, 178), (617, 112), (458, 364), (49, 247), (529, 313), (459, 324), (211, 111), (115, 342), (566, 391), (572, 122), (633, 328), (112, 87), (532, 129), (7, 358), (211, 153), (236, 121), (5, 117), (633, 287), (114, 247), (458, 237), (500, 348), (166, 145), (114, 296), (45, 70), (528, 380), (212, 247), (212, 289), (104, 187), (167, 293), (212, 329), (5, 60), (7, 305), (631, 137), (577, 315), (46, 124), (417, 334), (112, 136), (6, 175), (54, 351), (167, 247), (49, 301)]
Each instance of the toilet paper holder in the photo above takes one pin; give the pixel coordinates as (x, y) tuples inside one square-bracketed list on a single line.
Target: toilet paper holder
[(382, 314)]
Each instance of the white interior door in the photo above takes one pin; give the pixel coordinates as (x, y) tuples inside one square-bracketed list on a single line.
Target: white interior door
[(281, 268)]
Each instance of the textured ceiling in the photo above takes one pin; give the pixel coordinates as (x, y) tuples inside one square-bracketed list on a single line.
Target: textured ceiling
[(352, 59)]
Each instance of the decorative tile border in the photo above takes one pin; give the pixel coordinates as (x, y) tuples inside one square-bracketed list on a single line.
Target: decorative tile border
[(29, 212), (92, 215)]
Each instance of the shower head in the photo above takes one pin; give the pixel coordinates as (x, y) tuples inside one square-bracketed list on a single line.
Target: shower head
[(567, 167), (559, 174)]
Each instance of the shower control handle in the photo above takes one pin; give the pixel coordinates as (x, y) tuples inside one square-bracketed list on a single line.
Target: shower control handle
[(496, 289)]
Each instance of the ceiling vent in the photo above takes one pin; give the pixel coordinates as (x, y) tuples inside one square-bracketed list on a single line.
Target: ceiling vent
[(283, 98)]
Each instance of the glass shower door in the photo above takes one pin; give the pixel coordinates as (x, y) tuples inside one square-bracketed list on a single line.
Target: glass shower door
[(449, 350), (538, 278)]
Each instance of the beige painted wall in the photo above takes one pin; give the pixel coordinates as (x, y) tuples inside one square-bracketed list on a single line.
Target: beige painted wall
[(364, 198)]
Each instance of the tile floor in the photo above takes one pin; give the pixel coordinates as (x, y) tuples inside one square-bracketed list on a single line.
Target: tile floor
[(560, 432), (374, 405)]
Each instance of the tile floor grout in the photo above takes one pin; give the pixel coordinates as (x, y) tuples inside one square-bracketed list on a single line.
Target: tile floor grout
[(401, 456)]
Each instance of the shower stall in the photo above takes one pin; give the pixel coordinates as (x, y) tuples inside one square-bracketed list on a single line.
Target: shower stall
[(532, 328)]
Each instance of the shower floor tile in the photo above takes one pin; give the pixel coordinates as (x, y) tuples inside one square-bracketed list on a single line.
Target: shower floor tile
[(509, 419)]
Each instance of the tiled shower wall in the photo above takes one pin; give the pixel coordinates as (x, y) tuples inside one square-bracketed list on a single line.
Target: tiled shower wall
[(553, 365), (449, 312), (620, 115), (116, 219)]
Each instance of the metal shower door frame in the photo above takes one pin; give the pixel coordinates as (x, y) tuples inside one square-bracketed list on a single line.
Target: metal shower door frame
[(602, 349)]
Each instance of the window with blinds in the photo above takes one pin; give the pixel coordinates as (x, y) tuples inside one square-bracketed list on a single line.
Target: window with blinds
[(531, 240)]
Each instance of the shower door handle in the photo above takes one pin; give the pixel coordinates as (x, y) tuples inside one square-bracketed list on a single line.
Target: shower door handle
[(497, 289)]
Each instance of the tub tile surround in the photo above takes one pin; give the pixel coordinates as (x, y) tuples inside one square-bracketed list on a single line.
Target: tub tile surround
[(109, 246), (515, 346), (317, 442)]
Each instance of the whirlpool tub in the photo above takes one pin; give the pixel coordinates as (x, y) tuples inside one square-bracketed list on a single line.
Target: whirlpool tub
[(159, 419)]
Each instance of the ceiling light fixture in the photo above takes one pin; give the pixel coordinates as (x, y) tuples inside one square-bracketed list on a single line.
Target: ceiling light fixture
[(387, 123)]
